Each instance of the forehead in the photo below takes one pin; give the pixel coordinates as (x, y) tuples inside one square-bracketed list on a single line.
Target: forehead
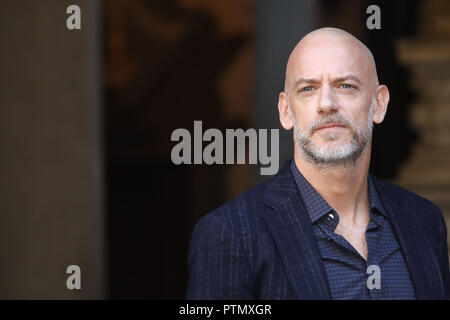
[(329, 58)]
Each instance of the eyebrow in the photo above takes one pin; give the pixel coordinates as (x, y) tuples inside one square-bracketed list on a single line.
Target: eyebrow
[(339, 79)]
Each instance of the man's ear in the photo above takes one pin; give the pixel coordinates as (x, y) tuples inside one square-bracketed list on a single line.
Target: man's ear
[(381, 103), (283, 109)]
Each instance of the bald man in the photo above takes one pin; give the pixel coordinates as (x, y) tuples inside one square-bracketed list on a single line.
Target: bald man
[(324, 227)]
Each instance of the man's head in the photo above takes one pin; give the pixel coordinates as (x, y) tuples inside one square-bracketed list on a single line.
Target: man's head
[(331, 97)]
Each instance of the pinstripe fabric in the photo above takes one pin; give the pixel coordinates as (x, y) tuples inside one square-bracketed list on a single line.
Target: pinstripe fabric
[(345, 268), (261, 245)]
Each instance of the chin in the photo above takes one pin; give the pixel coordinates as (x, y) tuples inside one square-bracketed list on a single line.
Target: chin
[(333, 143), (334, 146)]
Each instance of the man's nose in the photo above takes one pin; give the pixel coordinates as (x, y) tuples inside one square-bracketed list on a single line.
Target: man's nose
[(327, 101)]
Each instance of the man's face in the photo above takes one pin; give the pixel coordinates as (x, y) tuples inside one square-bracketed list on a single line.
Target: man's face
[(331, 95), (334, 150)]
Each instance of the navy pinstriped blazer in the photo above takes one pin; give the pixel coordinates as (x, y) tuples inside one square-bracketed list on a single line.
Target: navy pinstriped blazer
[(261, 245)]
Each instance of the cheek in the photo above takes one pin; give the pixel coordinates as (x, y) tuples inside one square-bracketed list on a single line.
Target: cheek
[(369, 110), (305, 127), (358, 112), (302, 117)]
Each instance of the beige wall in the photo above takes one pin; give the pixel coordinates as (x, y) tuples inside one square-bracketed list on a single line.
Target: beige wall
[(50, 176)]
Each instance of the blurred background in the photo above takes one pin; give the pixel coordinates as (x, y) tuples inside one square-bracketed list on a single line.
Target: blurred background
[(86, 118)]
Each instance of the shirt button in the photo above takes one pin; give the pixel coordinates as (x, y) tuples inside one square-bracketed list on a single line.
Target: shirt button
[(330, 216)]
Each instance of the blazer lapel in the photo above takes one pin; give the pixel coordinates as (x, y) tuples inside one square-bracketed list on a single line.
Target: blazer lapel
[(291, 229), (419, 254)]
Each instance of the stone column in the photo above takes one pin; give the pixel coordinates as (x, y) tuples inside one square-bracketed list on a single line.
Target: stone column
[(50, 174), (427, 172)]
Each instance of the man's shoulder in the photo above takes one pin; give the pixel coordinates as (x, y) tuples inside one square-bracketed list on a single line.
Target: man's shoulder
[(246, 209), (247, 201), (400, 194)]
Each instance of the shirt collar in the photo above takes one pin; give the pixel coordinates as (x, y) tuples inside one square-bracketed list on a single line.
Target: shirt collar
[(374, 198), (317, 207)]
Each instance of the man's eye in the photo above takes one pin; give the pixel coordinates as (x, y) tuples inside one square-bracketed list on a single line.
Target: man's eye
[(346, 86), (307, 89)]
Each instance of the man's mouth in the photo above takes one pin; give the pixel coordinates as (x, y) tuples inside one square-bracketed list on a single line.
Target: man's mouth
[(331, 126)]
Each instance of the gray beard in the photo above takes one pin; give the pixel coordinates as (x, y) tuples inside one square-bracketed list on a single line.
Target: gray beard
[(332, 155)]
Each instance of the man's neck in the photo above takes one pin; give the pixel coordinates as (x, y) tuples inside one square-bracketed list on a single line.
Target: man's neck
[(343, 187)]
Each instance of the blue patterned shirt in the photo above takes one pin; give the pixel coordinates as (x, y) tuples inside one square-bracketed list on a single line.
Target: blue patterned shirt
[(347, 271)]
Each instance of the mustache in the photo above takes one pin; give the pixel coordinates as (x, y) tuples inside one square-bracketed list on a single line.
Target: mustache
[(336, 118)]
